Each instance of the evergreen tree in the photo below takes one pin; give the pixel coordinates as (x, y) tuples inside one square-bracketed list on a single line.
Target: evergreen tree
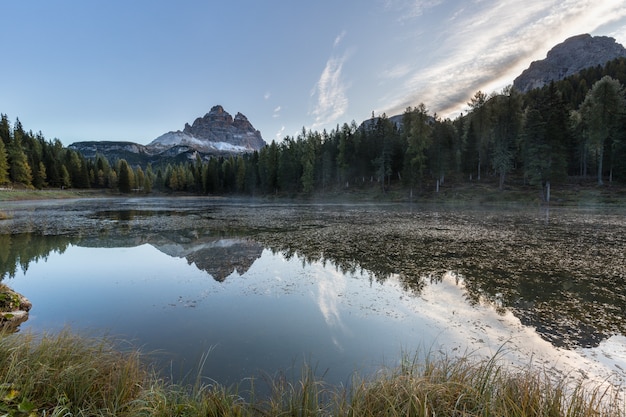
[(442, 152), (506, 124), (4, 165), (543, 140), (5, 130), (19, 170), (417, 132), (65, 177), (480, 117), (140, 178), (603, 115), (124, 180)]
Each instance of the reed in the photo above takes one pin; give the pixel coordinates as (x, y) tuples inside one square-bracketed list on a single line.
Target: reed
[(70, 375), (467, 387)]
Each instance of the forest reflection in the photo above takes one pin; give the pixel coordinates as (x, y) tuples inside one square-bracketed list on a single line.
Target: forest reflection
[(568, 311)]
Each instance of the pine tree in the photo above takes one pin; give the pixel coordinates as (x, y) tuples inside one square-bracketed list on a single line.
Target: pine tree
[(5, 130), (124, 182), (4, 165), (506, 110), (19, 170), (603, 114), (417, 134)]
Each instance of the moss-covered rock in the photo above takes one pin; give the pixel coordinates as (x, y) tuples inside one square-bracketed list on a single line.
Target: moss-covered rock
[(14, 308)]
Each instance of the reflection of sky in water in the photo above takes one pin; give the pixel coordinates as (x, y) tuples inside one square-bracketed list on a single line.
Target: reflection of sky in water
[(277, 314)]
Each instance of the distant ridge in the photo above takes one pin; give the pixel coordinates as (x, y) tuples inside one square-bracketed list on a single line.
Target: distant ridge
[(568, 58), (214, 134)]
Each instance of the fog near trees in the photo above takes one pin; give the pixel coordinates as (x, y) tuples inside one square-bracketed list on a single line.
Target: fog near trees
[(570, 129)]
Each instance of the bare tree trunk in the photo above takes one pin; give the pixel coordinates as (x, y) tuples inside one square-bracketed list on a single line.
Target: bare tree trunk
[(600, 158)]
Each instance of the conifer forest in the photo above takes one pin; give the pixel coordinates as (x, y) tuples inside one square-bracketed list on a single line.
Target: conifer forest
[(573, 129)]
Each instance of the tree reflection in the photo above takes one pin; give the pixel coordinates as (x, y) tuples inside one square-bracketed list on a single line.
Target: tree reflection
[(20, 250)]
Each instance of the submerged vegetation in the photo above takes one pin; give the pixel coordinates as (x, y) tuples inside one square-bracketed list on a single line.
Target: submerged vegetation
[(71, 375)]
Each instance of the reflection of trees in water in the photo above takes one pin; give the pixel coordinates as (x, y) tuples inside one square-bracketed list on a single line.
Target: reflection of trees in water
[(347, 262), (564, 278), (19, 250), (218, 255)]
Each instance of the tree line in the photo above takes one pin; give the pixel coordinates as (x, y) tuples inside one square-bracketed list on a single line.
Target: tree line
[(570, 128)]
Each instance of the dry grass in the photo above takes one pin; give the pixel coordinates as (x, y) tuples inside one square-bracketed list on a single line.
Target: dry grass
[(67, 372), (69, 375), (463, 387)]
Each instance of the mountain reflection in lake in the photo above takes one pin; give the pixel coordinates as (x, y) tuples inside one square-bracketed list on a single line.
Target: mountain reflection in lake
[(266, 313), (344, 288)]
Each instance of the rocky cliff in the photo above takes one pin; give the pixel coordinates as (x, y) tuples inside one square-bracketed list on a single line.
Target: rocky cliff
[(568, 58), (217, 130), (217, 133)]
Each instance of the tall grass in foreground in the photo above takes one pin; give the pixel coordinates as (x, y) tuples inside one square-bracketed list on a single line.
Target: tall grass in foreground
[(69, 375)]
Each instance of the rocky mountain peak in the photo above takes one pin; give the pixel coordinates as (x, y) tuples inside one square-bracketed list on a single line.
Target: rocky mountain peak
[(567, 58), (215, 130)]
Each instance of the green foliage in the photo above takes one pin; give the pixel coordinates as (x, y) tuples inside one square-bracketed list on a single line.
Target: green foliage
[(416, 133), (571, 127), (124, 180), (603, 112), (4, 165)]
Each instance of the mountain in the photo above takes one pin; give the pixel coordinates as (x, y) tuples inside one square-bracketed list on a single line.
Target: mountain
[(216, 131), (214, 134), (568, 58)]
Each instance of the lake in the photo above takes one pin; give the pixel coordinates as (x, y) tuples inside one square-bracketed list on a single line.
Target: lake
[(251, 289)]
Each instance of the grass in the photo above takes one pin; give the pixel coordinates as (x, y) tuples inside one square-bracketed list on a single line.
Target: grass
[(70, 375), (19, 194)]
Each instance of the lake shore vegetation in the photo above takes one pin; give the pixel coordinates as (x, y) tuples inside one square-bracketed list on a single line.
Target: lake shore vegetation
[(68, 374)]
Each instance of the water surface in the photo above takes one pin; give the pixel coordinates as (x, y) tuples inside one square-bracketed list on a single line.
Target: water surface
[(262, 288)]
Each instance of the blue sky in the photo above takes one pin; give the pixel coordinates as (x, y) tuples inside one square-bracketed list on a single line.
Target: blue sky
[(133, 70)]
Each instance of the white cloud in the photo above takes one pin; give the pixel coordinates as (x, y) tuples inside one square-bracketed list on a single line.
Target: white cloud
[(267, 95), (411, 8), (330, 92), (339, 38), (398, 71), (279, 134), (619, 35), (276, 113), (486, 46)]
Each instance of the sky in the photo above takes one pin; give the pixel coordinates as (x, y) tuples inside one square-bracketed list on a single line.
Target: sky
[(79, 70)]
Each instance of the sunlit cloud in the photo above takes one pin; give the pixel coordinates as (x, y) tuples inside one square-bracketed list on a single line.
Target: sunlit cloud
[(279, 134), (398, 71), (491, 43), (620, 35), (276, 113), (330, 94)]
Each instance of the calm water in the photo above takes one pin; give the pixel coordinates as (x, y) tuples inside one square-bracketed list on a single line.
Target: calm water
[(162, 280), (267, 313)]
